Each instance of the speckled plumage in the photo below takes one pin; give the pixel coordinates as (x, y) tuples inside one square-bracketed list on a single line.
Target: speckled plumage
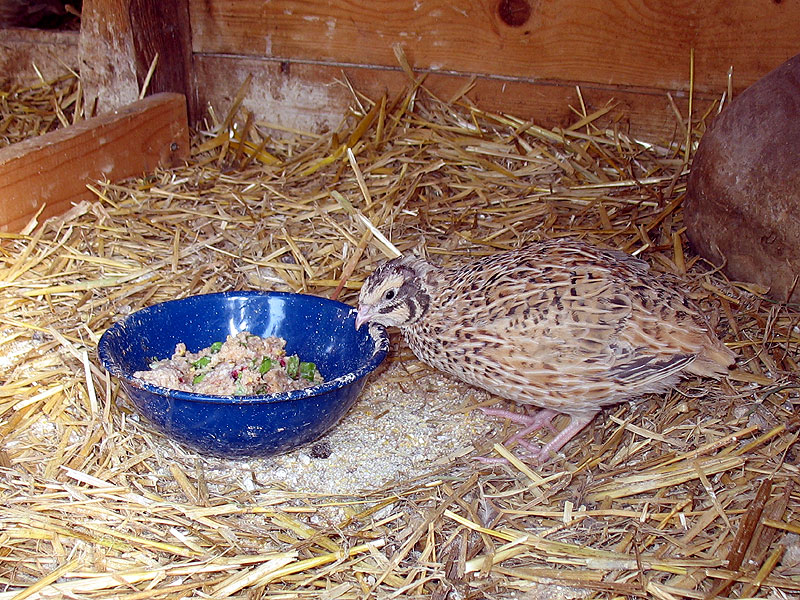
[(560, 324)]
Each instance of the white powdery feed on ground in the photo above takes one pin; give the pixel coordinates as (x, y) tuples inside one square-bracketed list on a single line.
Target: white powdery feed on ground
[(400, 428)]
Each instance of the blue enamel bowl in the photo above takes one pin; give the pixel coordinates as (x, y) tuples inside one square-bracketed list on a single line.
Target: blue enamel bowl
[(317, 329)]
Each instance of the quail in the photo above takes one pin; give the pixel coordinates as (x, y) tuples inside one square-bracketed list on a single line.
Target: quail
[(561, 325)]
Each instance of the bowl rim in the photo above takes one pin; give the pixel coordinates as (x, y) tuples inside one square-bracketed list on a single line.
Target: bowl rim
[(377, 332)]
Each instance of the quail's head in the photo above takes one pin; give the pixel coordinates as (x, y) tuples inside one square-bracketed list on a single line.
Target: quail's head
[(396, 294)]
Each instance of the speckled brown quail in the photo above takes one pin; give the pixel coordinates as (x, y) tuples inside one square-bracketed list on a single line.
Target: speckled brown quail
[(560, 324)]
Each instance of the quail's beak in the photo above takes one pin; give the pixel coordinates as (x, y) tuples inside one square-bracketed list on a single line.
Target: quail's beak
[(362, 316)]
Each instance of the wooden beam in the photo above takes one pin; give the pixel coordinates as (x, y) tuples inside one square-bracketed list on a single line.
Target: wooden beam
[(119, 40), (106, 54), (162, 29), (52, 170)]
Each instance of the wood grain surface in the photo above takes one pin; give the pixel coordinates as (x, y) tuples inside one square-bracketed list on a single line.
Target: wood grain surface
[(312, 97), (50, 51), (52, 170), (107, 57), (630, 43), (119, 41), (160, 32)]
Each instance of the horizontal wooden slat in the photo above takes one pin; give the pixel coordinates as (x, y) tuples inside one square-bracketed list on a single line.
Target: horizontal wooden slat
[(53, 169), (306, 97), (630, 43)]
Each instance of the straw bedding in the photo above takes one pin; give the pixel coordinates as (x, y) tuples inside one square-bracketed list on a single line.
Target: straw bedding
[(686, 495), (26, 112)]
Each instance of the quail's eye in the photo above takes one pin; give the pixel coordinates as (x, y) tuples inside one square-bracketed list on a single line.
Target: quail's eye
[(389, 294)]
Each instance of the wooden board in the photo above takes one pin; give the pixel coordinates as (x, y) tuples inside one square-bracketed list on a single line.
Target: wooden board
[(53, 169), (119, 41), (52, 52), (528, 56), (629, 43), (306, 97), (161, 33), (106, 51)]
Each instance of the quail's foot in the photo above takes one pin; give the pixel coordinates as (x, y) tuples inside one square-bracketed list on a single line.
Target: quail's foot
[(541, 418)]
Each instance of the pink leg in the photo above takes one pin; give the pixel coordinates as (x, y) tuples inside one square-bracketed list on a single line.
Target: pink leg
[(542, 418), (576, 424)]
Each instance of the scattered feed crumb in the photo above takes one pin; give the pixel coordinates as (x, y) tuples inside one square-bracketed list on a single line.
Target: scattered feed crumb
[(396, 430)]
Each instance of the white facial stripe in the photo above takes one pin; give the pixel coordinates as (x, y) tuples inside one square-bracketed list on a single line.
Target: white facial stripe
[(394, 281)]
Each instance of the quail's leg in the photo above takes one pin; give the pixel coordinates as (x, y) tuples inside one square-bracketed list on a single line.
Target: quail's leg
[(576, 424), (542, 418)]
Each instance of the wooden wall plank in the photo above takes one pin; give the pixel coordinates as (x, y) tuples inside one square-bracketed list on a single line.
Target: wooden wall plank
[(107, 57), (162, 28), (306, 97), (120, 38), (632, 43), (53, 169), (51, 51)]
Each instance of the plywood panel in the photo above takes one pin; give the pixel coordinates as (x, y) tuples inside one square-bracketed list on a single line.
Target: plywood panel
[(307, 97), (632, 43), (53, 169)]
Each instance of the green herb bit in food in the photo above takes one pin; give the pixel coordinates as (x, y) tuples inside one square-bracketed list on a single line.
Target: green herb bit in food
[(201, 362), (198, 378), (293, 366), (215, 347), (266, 365), (307, 370)]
